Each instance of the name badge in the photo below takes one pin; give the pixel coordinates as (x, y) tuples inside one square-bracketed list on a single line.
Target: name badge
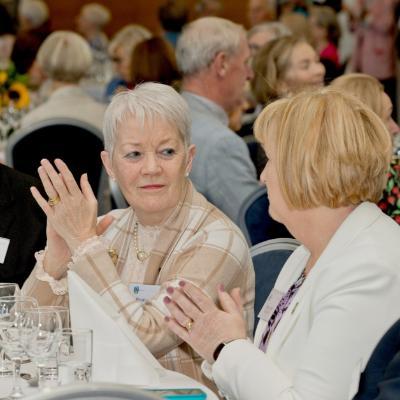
[(143, 292), (4, 242), (270, 304)]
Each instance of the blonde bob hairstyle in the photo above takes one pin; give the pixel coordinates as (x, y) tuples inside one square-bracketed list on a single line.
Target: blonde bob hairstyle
[(330, 149), (365, 87), (65, 56)]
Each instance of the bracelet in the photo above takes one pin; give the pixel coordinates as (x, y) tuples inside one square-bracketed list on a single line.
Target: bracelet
[(218, 350)]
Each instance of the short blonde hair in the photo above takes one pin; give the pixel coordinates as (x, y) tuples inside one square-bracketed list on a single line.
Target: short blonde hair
[(128, 37), (365, 87), (65, 56), (330, 149), (270, 65)]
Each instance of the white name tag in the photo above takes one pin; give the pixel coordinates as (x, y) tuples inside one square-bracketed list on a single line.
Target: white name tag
[(4, 242), (143, 292), (270, 304)]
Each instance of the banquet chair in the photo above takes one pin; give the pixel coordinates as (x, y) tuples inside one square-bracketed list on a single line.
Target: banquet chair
[(381, 377), (256, 223), (268, 259), (77, 143), (99, 391)]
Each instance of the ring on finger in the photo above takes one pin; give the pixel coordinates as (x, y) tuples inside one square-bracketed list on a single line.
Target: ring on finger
[(53, 201), (189, 325)]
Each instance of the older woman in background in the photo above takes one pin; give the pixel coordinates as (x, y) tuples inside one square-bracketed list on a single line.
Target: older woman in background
[(169, 232), (65, 57), (337, 294), (285, 66), (120, 50), (371, 92)]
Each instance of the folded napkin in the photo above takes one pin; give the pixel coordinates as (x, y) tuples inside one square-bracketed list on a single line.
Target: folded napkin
[(119, 356)]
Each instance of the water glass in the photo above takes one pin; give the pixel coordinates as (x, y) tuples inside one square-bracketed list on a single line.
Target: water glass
[(12, 309), (75, 356), (7, 289), (48, 370), (40, 335)]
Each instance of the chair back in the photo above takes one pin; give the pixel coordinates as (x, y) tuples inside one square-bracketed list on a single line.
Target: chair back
[(99, 391), (77, 143), (381, 377), (268, 259), (256, 223)]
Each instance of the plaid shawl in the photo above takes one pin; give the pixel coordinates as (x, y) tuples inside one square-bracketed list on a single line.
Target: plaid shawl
[(198, 243)]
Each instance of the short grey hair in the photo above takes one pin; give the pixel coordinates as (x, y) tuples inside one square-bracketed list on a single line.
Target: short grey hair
[(147, 102), (278, 29), (36, 11), (128, 37), (65, 56), (202, 39), (97, 14)]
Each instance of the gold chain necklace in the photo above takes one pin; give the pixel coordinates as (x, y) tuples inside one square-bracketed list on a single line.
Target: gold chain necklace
[(141, 255)]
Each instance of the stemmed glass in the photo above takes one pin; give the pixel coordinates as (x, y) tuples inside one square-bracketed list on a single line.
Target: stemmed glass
[(6, 289), (40, 336), (12, 309)]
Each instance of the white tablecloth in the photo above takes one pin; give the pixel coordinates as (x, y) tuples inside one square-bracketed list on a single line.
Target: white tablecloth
[(171, 380)]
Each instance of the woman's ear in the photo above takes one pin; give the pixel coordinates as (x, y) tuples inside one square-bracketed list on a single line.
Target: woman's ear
[(105, 157), (189, 162)]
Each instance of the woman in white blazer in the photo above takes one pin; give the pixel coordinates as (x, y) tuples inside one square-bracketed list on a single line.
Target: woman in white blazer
[(340, 291)]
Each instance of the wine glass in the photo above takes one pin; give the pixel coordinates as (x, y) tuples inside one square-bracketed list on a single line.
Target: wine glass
[(12, 310), (7, 289), (40, 335)]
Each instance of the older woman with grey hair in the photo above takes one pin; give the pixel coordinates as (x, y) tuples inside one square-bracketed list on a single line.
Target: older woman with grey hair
[(168, 233), (64, 57)]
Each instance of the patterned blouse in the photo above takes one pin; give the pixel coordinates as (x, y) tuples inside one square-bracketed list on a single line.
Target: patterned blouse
[(280, 310)]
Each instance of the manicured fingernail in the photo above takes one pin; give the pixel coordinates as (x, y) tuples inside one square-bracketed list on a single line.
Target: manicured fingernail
[(167, 300), (221, 287), (166, 319), (182, 283), (170, 290)]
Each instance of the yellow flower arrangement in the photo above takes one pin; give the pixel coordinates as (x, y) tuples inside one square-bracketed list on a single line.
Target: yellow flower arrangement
[(13, 89)]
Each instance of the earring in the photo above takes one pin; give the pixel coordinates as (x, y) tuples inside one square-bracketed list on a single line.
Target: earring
[(186, 174)]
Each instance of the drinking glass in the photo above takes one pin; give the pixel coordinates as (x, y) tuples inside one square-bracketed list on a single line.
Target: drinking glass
[(75, 356), (12, 309), (7, 289), (40, 334)]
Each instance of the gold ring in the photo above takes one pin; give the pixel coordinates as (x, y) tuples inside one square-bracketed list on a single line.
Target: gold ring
[(189, 325), (53, 201)]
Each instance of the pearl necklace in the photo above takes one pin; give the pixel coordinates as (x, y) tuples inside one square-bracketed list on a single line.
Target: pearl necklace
[(141, 255)]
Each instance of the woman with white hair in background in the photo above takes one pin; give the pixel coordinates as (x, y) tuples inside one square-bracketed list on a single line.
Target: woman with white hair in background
[(120, 51), (169, 231), (90, 22), (65, 57), (34, 27)]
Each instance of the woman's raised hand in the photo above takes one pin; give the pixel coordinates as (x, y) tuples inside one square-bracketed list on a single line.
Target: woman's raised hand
[(71, 210), (199, 322)]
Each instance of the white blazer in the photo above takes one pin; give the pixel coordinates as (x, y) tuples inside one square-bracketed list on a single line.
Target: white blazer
[(326, 336)]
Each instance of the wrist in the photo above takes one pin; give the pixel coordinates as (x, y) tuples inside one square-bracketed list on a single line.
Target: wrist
[(220, 347)]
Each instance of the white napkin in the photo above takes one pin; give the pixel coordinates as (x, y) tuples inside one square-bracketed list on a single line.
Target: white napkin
[(119, 356)]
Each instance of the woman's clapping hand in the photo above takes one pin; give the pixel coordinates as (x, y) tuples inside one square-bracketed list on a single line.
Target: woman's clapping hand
[(198, 321), (71, 210)]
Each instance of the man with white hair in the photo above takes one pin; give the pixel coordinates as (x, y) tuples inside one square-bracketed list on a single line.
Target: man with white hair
[(213, 54)]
